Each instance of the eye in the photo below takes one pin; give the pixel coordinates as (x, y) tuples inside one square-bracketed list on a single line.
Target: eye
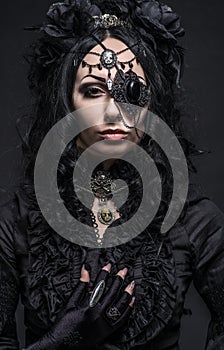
[(93, 92)]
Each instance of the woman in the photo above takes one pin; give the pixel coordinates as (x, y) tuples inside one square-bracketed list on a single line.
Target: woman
[(111, 62)]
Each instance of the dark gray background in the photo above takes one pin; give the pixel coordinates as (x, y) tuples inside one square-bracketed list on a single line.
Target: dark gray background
[(204, 78)]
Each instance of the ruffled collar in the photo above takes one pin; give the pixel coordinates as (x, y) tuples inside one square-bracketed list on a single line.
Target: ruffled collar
[(54, 271), (55, 265)]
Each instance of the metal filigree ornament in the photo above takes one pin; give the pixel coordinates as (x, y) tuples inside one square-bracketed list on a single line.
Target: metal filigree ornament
[(107, 20), (130, 93), (108, 59), (102, 185), (113, 313), (106, 215), (129, 89)]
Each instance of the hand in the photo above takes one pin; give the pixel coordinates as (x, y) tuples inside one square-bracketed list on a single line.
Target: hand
[(100, 315), (106, 312)]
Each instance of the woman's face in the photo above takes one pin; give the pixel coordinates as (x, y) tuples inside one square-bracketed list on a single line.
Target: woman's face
[(91, 92)]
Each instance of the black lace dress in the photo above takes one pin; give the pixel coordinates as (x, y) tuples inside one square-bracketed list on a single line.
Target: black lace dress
[(44, 269)]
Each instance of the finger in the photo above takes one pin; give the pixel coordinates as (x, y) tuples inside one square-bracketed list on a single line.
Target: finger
[(115, 288), (102, 275), (117, 317), (99, 285), (113, 292), (107, 267), (123, 302), (122, 273), (125, 299), (125, 316), (84, 275), (77, 296), (132, 302), (130, 288)]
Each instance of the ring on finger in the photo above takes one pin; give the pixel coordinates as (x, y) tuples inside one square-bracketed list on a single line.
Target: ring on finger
[(97, 293), (113, 313)]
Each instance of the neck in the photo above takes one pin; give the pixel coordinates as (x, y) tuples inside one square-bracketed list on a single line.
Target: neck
[(107, 164)]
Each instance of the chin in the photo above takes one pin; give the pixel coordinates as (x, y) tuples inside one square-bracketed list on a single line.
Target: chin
[(111, 148)]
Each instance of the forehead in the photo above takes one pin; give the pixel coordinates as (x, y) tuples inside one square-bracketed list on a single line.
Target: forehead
[(116, 46)]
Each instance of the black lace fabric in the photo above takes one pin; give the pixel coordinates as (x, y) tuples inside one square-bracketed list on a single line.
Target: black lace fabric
[(9, 292), (215, 298)]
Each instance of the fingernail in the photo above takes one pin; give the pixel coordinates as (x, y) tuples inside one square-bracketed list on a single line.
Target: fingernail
[(132, 301), (107, 267), (124, 271), (131, 286)]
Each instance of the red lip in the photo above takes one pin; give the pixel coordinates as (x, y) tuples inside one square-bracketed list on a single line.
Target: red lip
[(113, 131), (113, 134)]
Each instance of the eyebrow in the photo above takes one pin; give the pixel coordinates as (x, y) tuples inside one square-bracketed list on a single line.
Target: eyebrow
[(103, 80)]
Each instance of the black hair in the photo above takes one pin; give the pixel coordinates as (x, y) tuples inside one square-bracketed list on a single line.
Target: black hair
[(52, 82)]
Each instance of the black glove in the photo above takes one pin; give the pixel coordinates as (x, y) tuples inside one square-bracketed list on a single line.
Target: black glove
[(89, 325)]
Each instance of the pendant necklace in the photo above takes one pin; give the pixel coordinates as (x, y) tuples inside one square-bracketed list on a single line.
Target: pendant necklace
[(102, 187)]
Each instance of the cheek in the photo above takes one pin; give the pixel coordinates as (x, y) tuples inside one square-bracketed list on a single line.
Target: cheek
[(136, 136), (87, 134), (144, 115), (76, 100), (91, 116), (85, 138)]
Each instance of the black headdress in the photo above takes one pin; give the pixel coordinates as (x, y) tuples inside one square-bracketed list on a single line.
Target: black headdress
[(154, 23)]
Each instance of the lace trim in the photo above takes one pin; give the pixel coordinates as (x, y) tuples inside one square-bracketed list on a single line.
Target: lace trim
[(215, 298), (8, 301)]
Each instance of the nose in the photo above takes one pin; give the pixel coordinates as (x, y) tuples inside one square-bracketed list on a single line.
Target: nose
[(112, 112)]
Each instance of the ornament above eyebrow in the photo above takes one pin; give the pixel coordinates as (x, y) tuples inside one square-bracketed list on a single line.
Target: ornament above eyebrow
[(109, 59)]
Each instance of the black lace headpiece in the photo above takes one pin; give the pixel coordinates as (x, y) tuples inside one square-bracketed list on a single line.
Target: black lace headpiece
[(156, 24)]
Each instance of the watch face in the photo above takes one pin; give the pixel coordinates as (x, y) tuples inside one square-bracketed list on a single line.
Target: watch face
[(108, 59)]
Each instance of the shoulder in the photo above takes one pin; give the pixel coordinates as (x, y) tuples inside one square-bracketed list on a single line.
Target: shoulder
[(201, 212), (8, 213), (203, 223), (13, 207)]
